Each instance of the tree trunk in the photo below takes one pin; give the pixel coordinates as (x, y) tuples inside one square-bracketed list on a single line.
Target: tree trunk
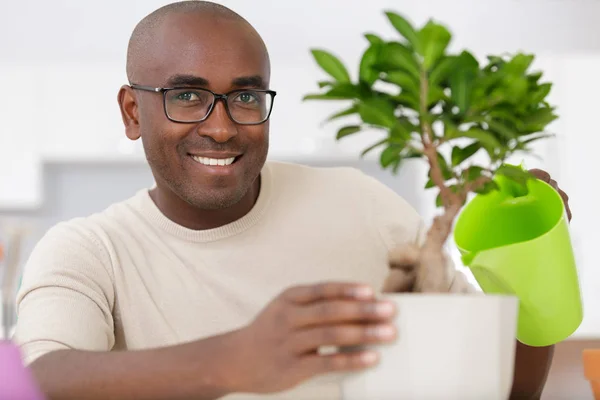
[(433, 273), (425, 268)]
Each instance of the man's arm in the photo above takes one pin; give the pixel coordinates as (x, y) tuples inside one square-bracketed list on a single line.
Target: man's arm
[(275, 352), (66, 330), (532, 365), (196, 370)]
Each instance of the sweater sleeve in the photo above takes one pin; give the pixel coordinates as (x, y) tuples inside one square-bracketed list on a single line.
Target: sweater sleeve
[(67, 296), (398, 223)]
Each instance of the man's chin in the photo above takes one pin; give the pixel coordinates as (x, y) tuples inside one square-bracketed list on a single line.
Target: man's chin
[(215, 199)]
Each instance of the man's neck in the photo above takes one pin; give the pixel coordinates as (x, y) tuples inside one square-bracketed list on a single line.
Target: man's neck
[(185, 214)]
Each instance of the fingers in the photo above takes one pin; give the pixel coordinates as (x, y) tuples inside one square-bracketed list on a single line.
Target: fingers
[(328, 291), (311, 339), (315, 364), (343, 311), (545, 176), (563, 196), (540, 174)]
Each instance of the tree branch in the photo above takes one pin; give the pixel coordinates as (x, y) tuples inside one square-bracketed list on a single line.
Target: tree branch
[(473, 186), (449, 198)]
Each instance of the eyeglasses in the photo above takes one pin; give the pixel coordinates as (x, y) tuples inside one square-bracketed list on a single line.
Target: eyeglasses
[(193, 105)]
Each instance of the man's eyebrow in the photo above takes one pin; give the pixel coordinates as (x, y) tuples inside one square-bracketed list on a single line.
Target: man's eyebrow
[(255, 81), (187, 80)]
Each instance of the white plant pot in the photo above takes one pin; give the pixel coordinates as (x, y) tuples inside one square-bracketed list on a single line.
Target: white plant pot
[(449, 346)]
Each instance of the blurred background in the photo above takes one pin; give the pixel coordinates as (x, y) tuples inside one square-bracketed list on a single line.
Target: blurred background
[(63, 152)]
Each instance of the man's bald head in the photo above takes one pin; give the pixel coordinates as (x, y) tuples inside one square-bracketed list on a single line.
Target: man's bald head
[(148, 30), (196, 46)]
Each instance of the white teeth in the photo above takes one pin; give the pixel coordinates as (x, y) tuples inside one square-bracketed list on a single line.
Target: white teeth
[(214, 161)]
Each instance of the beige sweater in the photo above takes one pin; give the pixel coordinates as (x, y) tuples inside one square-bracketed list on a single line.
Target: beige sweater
[(129, 278)]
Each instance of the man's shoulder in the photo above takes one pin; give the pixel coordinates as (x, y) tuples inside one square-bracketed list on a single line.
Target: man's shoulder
[(347, 179), (94, 227), (338, 176)]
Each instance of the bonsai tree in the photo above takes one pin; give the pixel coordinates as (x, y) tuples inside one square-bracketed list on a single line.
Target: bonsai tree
[(463, 117)]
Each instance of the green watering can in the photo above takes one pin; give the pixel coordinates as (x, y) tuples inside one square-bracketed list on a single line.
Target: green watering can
[(519, 244)]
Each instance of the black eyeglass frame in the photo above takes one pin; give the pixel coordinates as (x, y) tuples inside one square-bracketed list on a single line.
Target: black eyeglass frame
[(216, 97)]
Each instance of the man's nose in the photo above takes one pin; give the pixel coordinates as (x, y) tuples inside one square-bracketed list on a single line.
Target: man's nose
[(218, 125)]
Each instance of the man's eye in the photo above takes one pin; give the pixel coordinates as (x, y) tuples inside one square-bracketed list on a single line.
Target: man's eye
[(188, 96), (247, 97)]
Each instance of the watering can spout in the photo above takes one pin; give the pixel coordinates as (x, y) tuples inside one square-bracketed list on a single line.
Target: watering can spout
[(490, 279)]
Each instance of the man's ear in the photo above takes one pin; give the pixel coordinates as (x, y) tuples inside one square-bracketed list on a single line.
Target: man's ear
[(129, 112)]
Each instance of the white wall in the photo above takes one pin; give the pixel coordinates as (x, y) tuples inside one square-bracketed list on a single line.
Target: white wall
[(62, 62)]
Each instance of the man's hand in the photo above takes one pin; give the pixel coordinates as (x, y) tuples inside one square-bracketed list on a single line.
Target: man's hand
[(280, 348), (544, 176)]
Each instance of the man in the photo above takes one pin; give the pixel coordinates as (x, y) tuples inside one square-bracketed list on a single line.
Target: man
[(228, 276)]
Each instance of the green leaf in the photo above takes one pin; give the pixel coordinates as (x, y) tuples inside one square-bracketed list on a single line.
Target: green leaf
[(407, 99), (324, 84), (516, 174), (485, 84), (343, 113), (442, 70), (404, 28), (516, 89), (455, 157), (434, 38), (366, 72), (373, 147), (487, 139), (396, 56), (404, 80), (396, 165), (389, 155), (411, 153), (341, 91), (539, 119), (438, 200), (435, 95), (373, 39), (494, 61), (517, 180), (540, 94), (487, 187), (347, 130), (506, 116), (399, 131), (519, 64), (377, 111), (407, 125), (331, 64), (536, 138), (459, 155), (446, 171), (535, 77), (323, 96), (501, 129), (429, 184), (461, 80), (472, 173)]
